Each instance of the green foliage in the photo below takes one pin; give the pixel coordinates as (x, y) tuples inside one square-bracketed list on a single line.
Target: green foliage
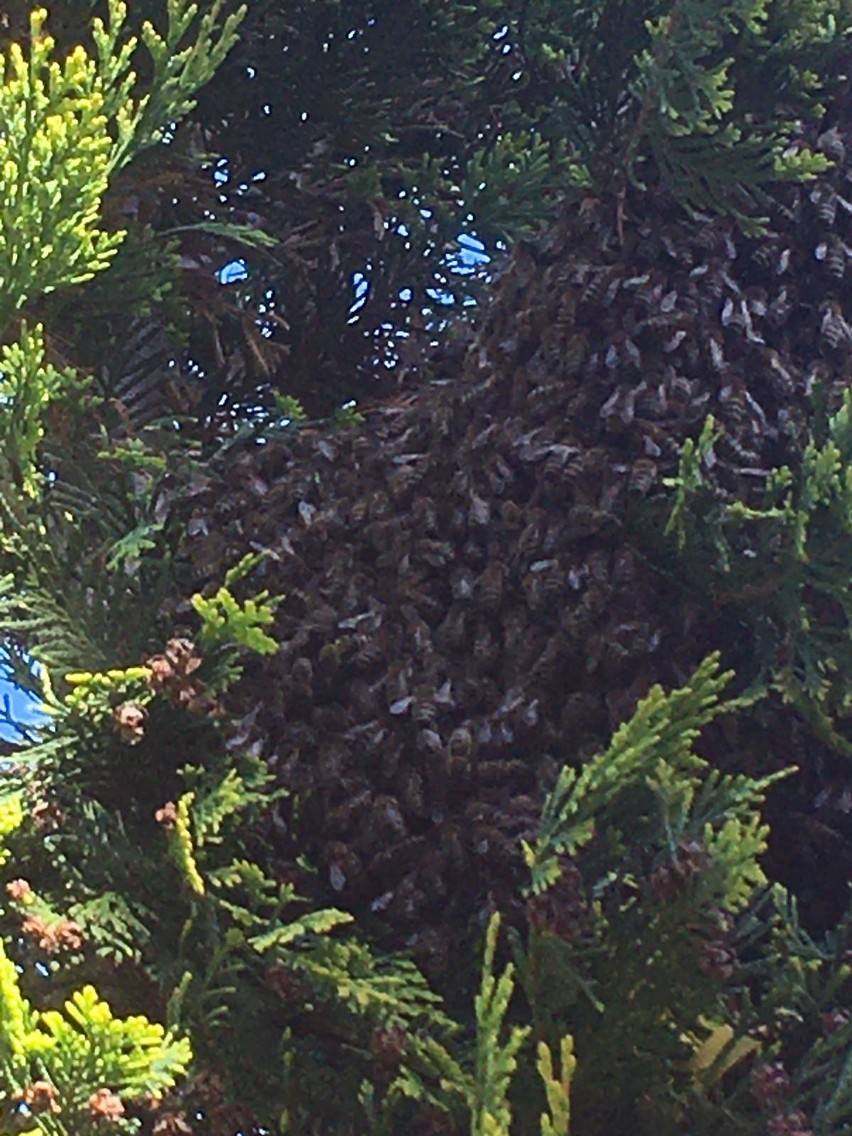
[(347, 417), (649, 966), (58, 1068), (96, 694), (687, 85), (54, 167), (645, 859), (654, 747), (496, 1060), (557, 1085), (783, 563), (238, 916), (688, 479), (225, 622), (801, 1023), (181, 846), (30, 385), (510, 180), (665, 92), (181, 68), (71, 124)]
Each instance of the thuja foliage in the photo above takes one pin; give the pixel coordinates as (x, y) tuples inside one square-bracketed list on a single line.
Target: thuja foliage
[(656, 982), (69, 1070), (159, 872), (783, 562), (334, 128), (68, 126), (656, 963)]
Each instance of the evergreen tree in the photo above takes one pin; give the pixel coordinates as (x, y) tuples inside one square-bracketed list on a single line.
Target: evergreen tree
[(161, 850)]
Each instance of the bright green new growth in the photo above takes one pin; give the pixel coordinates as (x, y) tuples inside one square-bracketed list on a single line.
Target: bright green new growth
[(181, 846), (74, 1053), (54, 168), (496, 1059), (225, 621), (67, 127), (11, 818), (78, 1052), (557, 1087), (228, 623), (653, 747), (29, 385)]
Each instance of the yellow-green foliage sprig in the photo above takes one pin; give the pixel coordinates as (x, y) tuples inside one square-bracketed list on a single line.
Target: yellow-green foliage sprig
[(96, 694), (77, 1052), (182, 846), (68, 126), (557, 1087), (11, 819), (496, 1059), (230, 626), (54, 166), (30, 384)]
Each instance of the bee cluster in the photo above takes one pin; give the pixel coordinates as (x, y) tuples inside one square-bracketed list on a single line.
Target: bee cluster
[(466, 606)]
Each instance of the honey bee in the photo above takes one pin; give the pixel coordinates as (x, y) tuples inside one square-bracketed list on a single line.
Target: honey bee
[(488, 587)]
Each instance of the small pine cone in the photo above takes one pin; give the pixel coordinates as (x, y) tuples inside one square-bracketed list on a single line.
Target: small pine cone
[(46, 816), (169, 673), (194, 698), (671, 879), (285, 984), (183, 655), (788, 1124), (37, 928), (105, 1105), (665, 881), (770, 1084), (388, 1045), (167, 815), (432, 1121), (130, 719), (172, 1124), (691, 855), (162, 672), (209, 1088), (38, 1097), (69, 935), (19, 890), (230, 1119)]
